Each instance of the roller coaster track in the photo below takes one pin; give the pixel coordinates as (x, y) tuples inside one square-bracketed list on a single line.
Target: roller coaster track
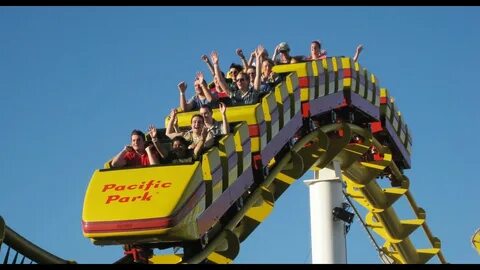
[(317, 148)]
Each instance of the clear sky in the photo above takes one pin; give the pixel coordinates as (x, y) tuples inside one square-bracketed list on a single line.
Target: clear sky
[(74, 82)]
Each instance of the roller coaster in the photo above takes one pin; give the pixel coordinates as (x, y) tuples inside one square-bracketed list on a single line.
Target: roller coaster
[(322, 111)]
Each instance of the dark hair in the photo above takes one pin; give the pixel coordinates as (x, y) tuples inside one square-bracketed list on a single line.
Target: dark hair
[(244, 75), (197, 115), (318, 43), (236, 66), (139, 133), (206, 106), (181, 139)]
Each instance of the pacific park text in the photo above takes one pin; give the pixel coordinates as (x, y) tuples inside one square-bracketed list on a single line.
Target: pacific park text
[(143, 186)]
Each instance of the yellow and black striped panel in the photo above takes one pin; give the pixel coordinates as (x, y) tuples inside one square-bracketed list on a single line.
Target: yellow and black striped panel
[(395, 118), (402, 132), (254, 116), (229, 160), (304, 72), (212, 175), (355, 77), (345, 73), (242, 147), (332, 76), (271, 115), (370, 92), (362, 82), (408, 144), (321, 78), (283, 103), (294, 93), (314, 78), (376, 90)]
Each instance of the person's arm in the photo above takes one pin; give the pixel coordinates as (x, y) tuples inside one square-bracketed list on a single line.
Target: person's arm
[(152, 156), (357, 52), (170, 131), (275, 53), (242, 58), (223, 111), (250, 60), (182, 87), (152, 130), (119, 159), (218, 74), (204, 86), (209, 64), (258, 67), (175, 125)]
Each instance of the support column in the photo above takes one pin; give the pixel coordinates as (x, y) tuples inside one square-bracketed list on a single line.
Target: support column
[(327, 233)]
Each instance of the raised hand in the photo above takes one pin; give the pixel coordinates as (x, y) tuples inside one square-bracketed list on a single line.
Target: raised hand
[(240, 53), (359, 48), (182, 86), (204, 58), (277, 49), (214, 56), (173, 113), (222, 107), (260, 49), (152, 130), (199, 77)]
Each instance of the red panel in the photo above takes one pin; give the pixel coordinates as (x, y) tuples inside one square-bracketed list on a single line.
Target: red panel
[(376, 127), (303, 82), (377, 157), (254, 130), (347, 73), (257, 161), (383, 100), (306, 109)]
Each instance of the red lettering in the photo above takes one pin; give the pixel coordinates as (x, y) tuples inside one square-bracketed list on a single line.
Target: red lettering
[(146, 197), (144, 185), (112, 198), (149, 185), (166, 185), (107, 187)]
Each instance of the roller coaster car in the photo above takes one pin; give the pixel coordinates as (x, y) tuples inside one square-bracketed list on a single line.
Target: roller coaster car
[(166, 203), (174, 203), (183, 202)]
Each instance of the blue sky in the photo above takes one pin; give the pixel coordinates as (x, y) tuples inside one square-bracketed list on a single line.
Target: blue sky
[(74, 81)]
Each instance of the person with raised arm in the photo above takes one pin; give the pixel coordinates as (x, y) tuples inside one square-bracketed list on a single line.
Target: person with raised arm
[(244, 95), (180, 153), (242, 58), (357, 52), (281, 55), (316, 52), (202, 94), (195, 135), (213, 125), (135, 154)]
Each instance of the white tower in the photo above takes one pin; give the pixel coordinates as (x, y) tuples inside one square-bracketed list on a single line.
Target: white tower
[(327, 232)]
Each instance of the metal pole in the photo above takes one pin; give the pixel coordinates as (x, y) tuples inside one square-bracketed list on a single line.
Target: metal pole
[(327, 232)]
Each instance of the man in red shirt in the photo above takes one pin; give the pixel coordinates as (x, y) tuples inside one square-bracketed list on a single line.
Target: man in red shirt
[(135, 154)]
